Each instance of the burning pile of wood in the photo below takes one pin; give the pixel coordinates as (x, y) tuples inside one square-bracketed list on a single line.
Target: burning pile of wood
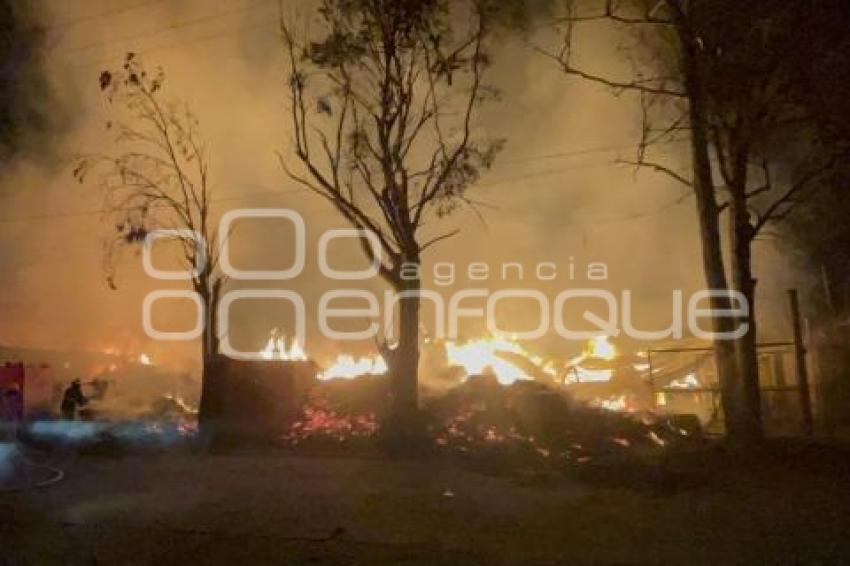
[(526, 421)]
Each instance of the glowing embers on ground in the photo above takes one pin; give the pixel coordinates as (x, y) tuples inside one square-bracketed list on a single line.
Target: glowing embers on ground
[(276, 349), (319, 421)]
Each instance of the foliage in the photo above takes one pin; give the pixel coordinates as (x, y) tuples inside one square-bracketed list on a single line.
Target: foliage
[(159, 176), (383, 104)]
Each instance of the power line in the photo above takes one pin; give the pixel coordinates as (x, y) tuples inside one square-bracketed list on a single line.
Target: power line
[(602, 221), (172, 45), (639, 215), (95, 212), (281, 193), (171, 27), (252, 6), (93, 17), (586, 151)]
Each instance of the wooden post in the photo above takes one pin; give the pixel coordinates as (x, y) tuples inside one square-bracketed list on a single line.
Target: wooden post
[(651, 382), (802, 370)]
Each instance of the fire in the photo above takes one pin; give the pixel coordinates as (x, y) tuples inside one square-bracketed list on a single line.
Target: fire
[(616, 403), (182, 404), (590, 375), (597, 350), (346, 367), (498, 355), (477, 356), (276, 349), (688, 381), (145, 360), (599, 347)]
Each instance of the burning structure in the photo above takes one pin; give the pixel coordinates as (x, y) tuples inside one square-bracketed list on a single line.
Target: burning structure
[(266, 397)]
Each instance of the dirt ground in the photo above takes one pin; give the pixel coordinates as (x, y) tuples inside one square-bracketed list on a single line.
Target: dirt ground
[(281, 509)]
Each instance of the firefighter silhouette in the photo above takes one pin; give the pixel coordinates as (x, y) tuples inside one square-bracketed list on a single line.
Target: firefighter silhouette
[(72, 399)]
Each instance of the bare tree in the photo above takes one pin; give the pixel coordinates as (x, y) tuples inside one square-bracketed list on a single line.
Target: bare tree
[(770, 156), (663, 28), (724, 74), (382, 111), (158, 179)]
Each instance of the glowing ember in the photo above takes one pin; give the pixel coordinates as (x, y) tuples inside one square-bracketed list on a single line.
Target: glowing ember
[(346, 367), (319, 421), (276, 349), (482, 355)]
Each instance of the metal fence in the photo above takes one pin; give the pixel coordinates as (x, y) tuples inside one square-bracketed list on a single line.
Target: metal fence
[(690, 385)]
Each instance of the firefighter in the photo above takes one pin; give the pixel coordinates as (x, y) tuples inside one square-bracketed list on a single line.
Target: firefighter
[(72, 399)]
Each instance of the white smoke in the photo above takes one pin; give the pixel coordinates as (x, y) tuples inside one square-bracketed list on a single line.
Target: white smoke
[(8, 453)]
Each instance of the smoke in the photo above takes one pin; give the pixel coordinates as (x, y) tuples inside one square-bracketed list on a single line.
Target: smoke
[(72, 432), (556, 193), (31, 112), (8, 452)]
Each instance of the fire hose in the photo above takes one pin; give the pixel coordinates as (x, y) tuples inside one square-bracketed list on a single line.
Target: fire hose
[(56, 474)]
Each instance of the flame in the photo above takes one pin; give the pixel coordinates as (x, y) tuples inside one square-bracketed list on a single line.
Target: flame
[(579, 374), (599, 347), (688, 381), (615, 403), (346, 367), (596, 349), (182, 403), (276, 349), (477, 356), (296, 352)]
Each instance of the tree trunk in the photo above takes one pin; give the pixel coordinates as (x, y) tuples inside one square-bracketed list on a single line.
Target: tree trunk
[(741, 238), (208, 410), (403, 429), (709, 222), (747, 348), (208, 407), (404, 367)]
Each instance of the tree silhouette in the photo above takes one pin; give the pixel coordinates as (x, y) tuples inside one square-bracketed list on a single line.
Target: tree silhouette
[(158, 179), (383, 105), (727, 75)]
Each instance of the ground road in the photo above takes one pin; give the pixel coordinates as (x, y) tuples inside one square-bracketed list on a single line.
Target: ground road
[(273, 509)]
